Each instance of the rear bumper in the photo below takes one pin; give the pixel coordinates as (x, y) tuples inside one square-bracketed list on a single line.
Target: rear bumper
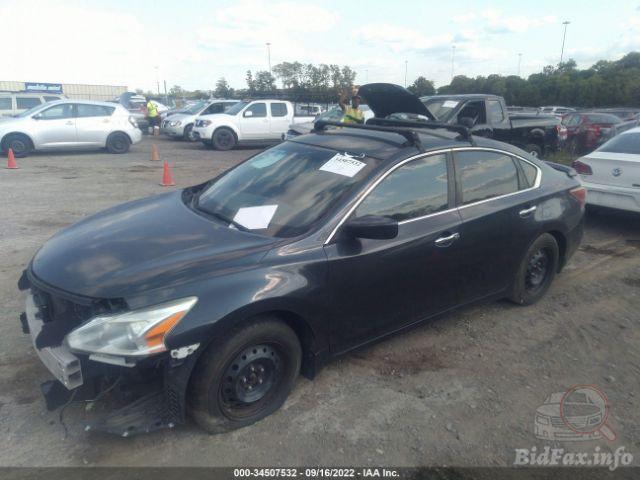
[(620, 198)]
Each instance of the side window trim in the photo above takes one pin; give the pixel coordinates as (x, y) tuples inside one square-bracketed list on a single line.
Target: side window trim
[(364, 194), (513, 157)]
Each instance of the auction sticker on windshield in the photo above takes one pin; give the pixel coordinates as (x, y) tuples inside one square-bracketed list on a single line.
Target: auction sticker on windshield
[(450, 104), (255, 218), (343, 165)]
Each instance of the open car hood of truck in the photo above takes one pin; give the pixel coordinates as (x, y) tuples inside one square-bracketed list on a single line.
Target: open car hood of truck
[(387, 98)]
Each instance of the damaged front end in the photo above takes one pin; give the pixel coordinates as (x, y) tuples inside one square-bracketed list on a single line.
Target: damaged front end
[(98, 350)]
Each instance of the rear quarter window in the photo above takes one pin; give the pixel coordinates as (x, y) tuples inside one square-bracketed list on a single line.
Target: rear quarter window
[(27, 102)]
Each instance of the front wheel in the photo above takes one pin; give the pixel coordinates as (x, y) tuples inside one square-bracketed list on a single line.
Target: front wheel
[(537, 270), (224, 139), (118, 143), (188, 133), (246, 378), (534, 150)]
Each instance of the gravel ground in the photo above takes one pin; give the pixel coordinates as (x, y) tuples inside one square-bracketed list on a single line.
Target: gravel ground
[(461, 390)]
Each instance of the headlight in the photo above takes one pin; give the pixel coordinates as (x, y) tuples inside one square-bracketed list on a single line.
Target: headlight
[(205, 123), (175, 123), (136, 333), (542, 420)]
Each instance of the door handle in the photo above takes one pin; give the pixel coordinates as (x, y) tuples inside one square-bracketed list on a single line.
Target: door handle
[(527, 211), (446, 241)]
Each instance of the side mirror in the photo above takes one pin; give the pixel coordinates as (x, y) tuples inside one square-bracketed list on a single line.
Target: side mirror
[(37, 116), (466, 122), (248, 113), (373, 227)]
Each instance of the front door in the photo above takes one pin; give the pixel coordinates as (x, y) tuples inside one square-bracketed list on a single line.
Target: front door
[(378, 286), (255, 122), (55, 127)]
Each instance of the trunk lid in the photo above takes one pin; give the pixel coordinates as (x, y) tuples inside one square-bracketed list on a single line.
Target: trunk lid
[(387, 98), (616, 169)]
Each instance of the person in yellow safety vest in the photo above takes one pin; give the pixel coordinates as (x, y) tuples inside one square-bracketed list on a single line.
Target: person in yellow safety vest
[(352, 113), (152, 114)]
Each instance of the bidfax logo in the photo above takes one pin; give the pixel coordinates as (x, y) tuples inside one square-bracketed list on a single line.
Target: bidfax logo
[(578, 414)]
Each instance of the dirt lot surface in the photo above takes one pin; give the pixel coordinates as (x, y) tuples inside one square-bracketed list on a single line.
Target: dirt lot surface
[(461, 390)]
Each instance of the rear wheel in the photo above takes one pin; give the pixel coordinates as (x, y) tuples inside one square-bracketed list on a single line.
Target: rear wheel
[(224, 139), (537, 270), (246, 378), (534, 150), (19, 143), (118, 143)]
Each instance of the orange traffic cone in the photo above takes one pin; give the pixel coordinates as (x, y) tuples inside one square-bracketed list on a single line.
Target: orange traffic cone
[(154, 153), (11, 161), (167, 181)]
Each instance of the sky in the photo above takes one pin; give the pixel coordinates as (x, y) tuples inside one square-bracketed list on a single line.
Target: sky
[(193, 43)]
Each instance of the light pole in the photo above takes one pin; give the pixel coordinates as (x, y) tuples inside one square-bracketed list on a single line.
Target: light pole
[(269, 55), (564, 37), (406, 62), (519, 62), (453, 57), (157, 80)]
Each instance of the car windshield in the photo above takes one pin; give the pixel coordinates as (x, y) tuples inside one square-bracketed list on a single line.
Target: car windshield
[(625, 143), (440, 108), (236, 108), (195, 108), (333, 115), (283, 191)]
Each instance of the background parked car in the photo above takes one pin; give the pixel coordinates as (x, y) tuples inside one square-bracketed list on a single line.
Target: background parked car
[(67, 124), (587, 130), (136, 104), (611, 173), (180, 124), (333, 115), (555, 110), (14, 103)]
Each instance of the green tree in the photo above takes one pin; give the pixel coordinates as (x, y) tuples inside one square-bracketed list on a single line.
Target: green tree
[(223, 90), (421, 87)]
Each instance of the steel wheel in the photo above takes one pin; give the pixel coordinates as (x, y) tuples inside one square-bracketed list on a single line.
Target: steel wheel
[(249, 380), (224, 139), (537, 270)]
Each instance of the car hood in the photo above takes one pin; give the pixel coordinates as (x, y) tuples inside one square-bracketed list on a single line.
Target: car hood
[(387, 98), (182, 117), (157, 242)]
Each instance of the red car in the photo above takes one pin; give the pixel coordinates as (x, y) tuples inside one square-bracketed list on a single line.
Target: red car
[(587, 130)]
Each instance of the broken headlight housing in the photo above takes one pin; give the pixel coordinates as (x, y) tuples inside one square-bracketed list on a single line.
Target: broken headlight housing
[(136, 333)]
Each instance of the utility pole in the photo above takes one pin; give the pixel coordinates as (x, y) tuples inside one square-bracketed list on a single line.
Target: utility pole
[(269, 55), (453, 58), (564, 37), (519, 62), (406, 62), (157, 80)]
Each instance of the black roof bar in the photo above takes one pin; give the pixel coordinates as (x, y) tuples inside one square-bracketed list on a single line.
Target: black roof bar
[(401, 127)]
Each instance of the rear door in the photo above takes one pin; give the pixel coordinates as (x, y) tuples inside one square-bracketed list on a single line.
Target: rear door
[(254, 123), (280, 119), (55, 127), (497, 201), (382, 285), (93, 124)]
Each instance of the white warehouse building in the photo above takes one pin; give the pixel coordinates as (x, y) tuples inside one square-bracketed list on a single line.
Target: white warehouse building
[(71, 90)]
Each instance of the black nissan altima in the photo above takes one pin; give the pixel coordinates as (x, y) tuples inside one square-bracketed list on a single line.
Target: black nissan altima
[(211, 300)]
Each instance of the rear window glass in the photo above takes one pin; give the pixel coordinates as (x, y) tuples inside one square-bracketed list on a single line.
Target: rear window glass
[(625, 143), (602, 118), (85, 110), (27, 102), (278, 109), (485, 175), (49, 98)]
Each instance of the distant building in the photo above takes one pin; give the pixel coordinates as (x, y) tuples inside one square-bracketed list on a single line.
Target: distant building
[(71, 90)]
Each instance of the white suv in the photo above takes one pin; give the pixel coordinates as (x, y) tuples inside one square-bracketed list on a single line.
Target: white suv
[(13, 103), (68, 124)]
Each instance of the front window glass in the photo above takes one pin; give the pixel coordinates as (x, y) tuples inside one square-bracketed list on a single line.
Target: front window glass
[(625, 143), (57, 112), (258, 110), (484, 175), (285, 190), (414, 190), (236, 108)]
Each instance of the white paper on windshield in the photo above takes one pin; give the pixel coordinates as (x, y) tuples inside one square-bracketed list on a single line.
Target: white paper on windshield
[(343, 165), (450, 104), (255, 218)]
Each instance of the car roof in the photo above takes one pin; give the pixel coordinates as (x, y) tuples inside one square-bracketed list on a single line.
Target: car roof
[(463, 96), (389, 146), (86, 102)]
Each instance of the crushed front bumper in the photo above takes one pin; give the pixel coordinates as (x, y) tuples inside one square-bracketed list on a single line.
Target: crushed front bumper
[(149, 393)]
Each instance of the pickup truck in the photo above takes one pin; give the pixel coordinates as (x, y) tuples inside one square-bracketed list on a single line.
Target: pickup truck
[(247, 122), (487, 116)]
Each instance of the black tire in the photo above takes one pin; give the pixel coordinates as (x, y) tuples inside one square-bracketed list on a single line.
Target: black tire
[(118, 143), (19, 143), (224, 139), (534, 150), (265, 356), (187, 135), (537, 271)]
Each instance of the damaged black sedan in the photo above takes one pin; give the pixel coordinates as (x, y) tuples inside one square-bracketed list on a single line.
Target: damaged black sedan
[(210, 301)]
